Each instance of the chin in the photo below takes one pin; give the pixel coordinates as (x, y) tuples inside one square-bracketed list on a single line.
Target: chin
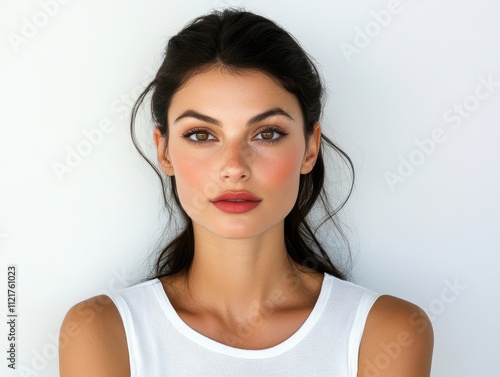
[(236, 234), (235, 231)]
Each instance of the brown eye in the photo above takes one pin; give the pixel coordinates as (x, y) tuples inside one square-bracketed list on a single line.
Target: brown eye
[(201, 136), (271, 135), (268, 135), (198, 136)]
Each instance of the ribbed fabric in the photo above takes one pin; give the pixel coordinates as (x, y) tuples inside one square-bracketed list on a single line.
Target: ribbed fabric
[(160, 343)]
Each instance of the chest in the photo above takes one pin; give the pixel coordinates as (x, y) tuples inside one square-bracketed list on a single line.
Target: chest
[(258, 330)]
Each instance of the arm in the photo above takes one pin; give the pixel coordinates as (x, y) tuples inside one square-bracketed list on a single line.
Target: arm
[(397, 340), (92, 341)]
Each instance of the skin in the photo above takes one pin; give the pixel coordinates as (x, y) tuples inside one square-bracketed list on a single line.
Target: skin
[(269, 296)]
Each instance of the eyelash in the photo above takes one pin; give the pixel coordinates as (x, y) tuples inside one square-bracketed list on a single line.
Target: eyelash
[(187, 135)]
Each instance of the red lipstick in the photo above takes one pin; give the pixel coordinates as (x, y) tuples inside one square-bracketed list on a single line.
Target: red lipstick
[(236, 201)]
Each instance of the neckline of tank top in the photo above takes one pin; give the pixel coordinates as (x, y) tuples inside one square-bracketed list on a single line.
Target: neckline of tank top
[(273, 351)]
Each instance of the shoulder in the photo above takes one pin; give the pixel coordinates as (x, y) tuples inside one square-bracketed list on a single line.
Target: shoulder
[(92, 340), (397, 340)]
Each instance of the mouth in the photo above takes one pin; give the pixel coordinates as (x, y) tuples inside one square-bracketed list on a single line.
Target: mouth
[(236, 202), (236, 196)]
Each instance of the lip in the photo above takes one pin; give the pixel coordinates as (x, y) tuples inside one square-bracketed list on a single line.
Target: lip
[(236, 201), (236, 195)]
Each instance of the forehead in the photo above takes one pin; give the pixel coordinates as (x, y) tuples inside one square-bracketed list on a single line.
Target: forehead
[(243, 93)]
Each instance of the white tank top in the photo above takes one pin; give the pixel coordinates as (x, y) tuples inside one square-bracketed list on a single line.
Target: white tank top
[(160, 343)]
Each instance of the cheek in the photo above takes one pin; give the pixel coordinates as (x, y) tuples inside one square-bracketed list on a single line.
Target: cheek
[(187, 171), (188, 166), (281, 180), (192, 181), (283, 171)]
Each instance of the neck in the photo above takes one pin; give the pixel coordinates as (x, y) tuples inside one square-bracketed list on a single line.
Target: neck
[(234, 276)]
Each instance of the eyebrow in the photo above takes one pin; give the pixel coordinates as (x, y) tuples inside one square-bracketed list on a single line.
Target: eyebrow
[(255, 119)]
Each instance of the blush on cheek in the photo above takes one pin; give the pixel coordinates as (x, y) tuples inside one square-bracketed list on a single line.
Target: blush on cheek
[(283, 172), (282, 175), (189, 178), (286, 166)]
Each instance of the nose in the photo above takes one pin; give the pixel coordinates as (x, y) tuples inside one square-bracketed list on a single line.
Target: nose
[(236, 159)]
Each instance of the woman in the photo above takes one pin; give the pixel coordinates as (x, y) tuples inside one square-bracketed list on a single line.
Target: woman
[(245, 288)]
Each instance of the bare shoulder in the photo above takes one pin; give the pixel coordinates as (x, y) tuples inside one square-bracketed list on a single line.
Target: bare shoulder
[(92, 340), (397, 340)]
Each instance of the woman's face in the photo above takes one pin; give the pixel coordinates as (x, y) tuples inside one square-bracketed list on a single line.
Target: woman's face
[(240, 133)]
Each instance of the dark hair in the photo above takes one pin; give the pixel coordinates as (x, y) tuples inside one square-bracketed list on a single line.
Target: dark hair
[(237, 39)]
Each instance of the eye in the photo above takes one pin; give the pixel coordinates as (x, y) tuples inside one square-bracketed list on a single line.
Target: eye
[(268, 135), (271, 135), (198, 136)]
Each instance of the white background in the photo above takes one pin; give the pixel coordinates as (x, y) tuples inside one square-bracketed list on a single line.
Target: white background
[(90, 232)]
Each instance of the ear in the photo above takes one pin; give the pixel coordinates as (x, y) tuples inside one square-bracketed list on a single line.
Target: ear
[(162, 152), (312, 150)]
